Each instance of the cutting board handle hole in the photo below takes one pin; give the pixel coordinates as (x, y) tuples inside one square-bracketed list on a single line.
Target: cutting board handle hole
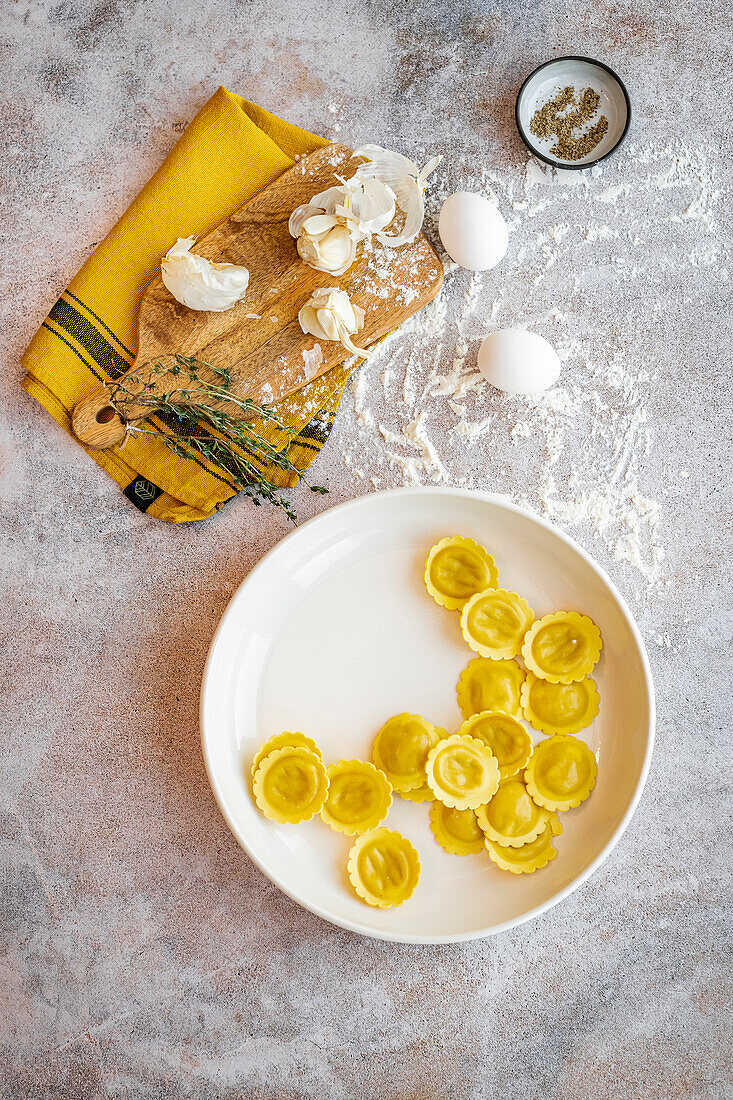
[(105, 414)]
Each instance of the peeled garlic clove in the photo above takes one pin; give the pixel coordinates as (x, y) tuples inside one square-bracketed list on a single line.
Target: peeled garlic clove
[(327, 324), (319, 224), (199, 284), (336, 248), (339, 307), (308, 317)]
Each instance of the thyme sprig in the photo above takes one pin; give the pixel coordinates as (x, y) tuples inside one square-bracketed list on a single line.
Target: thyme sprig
[(201, 423)]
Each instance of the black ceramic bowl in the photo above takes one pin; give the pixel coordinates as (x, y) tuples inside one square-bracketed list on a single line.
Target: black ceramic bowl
[(580, 72)]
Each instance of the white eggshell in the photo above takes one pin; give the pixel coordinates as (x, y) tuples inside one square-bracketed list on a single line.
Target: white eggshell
[(472, 230), (517, 361)]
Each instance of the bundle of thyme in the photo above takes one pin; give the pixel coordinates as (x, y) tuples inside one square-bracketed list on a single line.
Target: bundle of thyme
[(200, 422)]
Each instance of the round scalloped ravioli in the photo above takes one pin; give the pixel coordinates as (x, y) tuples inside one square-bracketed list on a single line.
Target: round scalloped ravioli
[(495, 622), (462, 772), (562, 647), (456, 570), (419, 794), (512, 818), (290, 785), (282, 741), (559, 708), (530, 857), (401, 750), (505, 737), (457, 831), (359, 797), (383, 868), (490, 685), (561, 773)]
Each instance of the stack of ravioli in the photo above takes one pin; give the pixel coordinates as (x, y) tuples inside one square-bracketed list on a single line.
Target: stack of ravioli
[(489, 786)]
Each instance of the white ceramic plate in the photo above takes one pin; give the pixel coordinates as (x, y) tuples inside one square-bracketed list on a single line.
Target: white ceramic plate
[(333, 632)]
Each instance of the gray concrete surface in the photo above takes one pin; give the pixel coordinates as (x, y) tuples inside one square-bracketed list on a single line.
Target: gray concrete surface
[(143, 954)]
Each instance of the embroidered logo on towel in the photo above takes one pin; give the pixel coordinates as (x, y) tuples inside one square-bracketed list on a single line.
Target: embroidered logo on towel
[(142, 493)]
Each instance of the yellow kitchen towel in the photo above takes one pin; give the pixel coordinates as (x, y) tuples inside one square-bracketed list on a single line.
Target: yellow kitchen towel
[(230, 152)]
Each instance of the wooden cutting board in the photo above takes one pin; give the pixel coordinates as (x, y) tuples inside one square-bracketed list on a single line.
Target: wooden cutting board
[(260, 340)]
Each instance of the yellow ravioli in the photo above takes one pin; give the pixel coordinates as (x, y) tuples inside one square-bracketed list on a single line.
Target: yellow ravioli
[(505, 737), (456, 569), (561, 773), (511, 817), (462, 772), (420, 794), (456, 830), (359, 797), (562, 647), (281, 741), (383, 868), (495, 622), (530, 857), (559, 708), (490, 685), (291, 785), (401, 749)]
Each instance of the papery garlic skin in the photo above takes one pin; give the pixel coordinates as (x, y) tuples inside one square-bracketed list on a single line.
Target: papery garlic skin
[(199, 283), (366, 205), (406, 181), (329, 315), (312, 359)]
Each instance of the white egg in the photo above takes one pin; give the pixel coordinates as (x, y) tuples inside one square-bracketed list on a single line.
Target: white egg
[(518, 361), (472, 230)]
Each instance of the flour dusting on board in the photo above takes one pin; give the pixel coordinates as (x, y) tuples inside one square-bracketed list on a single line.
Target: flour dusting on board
[(574, 273)]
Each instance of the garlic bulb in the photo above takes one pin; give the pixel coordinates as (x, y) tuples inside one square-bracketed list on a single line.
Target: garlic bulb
[(200, 284), (323, 240), (329, 315), (406, 181), (329, 227)]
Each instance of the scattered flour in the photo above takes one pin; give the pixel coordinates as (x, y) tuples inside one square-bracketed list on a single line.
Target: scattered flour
[(386, 381), (520, 431), (600, 233), (364, 417), (612, 194), (427, 416)]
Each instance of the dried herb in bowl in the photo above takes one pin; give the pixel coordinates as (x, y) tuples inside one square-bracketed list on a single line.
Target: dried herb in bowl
[(564, 117)]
